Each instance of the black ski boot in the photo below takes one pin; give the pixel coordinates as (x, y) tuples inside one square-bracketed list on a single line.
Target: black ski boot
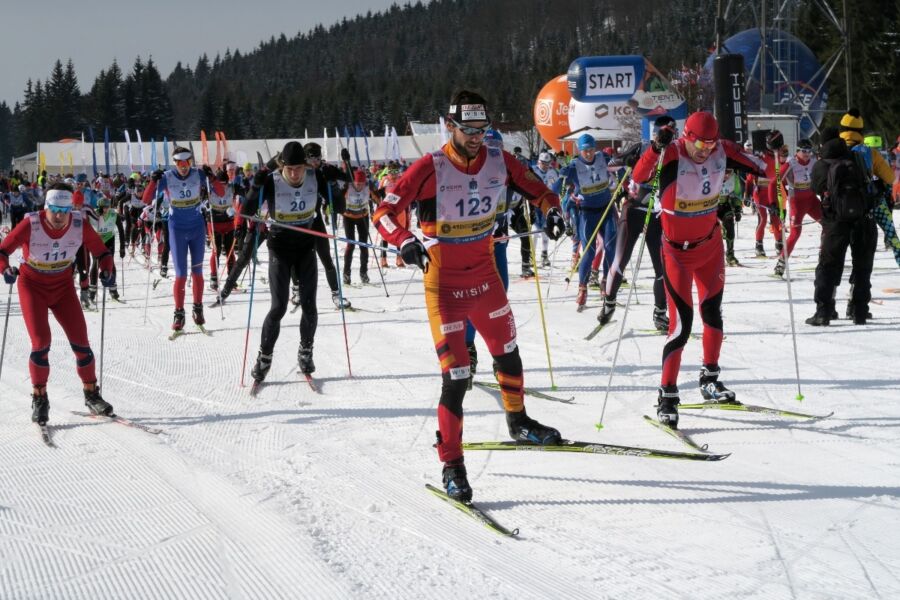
[(526, 271), (40, 408), (114, 293), (197, 314), (364, 276), (346, 278), (305, 360), (545, 260), (594, 279), (164, 271), (523, 428), (712, 389), (760, 252), (339, 302), (473, 362), (606, 313), (779, 267), (96, 404), (731, 260), (456, 482), (178, 320), (214, 283), (819, 320), (661, 319), (262, 366), (667, 406)]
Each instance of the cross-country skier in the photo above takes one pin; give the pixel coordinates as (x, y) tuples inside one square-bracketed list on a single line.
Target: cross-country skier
[(801, 200), (49, 240), (357, 202), (459, 189), (222, 225), (690, 180), (767, 208), (590, 181), (182, 187), (291, 195), (549, 176), (106, 222)]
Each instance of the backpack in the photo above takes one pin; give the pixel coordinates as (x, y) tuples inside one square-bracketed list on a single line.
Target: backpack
[(847, 189)]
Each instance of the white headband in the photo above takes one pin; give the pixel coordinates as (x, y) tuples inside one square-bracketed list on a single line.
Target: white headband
[(59, 198)]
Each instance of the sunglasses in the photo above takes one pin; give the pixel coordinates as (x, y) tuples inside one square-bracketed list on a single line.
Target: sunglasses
[(704, 145), (804, 151), (471, 130), (60, 209), (182, 163)]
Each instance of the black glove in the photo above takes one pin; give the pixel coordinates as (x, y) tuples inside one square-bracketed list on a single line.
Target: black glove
[(10, 274), (413, 252), (156, 175), (108, 278), (207, 170), (663, 137), (345, 155), (555, 226), (737, 215), (259, 179), (130, 184)]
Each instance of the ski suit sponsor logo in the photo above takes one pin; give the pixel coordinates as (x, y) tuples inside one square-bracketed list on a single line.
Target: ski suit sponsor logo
[(499, 313), (459, 373), (388, 225), (509, 346), (471, 292), (452, 327), (392, 198)]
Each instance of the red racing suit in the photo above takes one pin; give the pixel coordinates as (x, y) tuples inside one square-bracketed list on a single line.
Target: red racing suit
[(692, 249), (45, 284), (766, 200), (801, 200), (458, 200)]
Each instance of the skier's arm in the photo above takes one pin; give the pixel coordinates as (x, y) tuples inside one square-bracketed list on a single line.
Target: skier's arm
[(15, 240), (258, 194), (741, 162)]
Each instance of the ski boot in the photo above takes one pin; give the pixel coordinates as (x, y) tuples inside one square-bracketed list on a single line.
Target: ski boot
[(779, 267), (760, 252), (197, 314), (581, 298), (523, 428), (164, 271), (712, 389), (731, 260), (661, 319), (295, 295), (178, 320), (305, 360), (473, 363), (606, 313), (545, 260), (92, 294), (456, 482), (339, 302), (40, 407), (667, 406), (346, 278), (85, 299), (262, 366), (818, 320), (96, 404), (527, 271), (364, 277), (214, 283), (594, 279), (114, 293)]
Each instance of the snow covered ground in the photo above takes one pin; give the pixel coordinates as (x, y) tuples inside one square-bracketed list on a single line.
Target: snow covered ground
[(301, 495)]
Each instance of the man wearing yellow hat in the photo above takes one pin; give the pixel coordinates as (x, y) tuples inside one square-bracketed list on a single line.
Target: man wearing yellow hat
[(879, 169)]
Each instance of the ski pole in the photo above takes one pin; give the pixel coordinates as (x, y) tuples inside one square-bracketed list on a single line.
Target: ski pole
[(250, 304), (5, 326), (631, 288), (537, 282), (599, 224), (403, 295), (337, 259), (102, 334), (787, 277), (330, 236), (123, 276)]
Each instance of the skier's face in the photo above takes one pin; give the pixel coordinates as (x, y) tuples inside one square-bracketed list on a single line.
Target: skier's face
[(699, 150), (57, 219), (183, 167), (293, 174), (467, 139)]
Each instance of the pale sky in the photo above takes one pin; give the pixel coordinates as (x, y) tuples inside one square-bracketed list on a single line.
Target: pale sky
[(93, 32)]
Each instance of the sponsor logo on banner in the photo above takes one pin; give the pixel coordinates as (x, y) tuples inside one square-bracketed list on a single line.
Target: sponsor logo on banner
[(543, 112), (609, 81), (601, 111)]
